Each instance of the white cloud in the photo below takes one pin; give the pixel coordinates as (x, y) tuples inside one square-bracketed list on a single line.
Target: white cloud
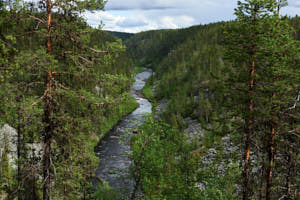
[(176, 22), (294, 3), (140, 15), (132, 22)]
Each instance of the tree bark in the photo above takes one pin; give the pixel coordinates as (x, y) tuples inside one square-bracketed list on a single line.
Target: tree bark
[(249, 131), (48, 112), (271, 161), (246, 168)]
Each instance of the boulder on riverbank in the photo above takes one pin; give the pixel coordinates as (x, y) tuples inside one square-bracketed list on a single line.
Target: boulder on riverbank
[(8, 143)]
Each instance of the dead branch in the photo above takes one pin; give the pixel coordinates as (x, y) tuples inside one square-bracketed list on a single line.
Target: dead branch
[(83, 58), (37, 26), (54, 169), (295, 104), (57, 84), (55, 73), (38, 19), (98, 51)]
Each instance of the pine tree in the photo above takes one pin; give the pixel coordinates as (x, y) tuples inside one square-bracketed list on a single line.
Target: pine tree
[(64, 42), (260, 41), (241, 44), (278, 82), (69, 9)]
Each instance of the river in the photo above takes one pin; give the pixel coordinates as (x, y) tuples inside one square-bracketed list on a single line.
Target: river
[(114, 148)]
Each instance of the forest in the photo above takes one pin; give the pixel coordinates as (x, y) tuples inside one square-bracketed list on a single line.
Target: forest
[(224, 98)]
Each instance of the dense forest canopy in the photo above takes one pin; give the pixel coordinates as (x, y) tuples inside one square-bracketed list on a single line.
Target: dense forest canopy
[(225, 96), (121, 35)]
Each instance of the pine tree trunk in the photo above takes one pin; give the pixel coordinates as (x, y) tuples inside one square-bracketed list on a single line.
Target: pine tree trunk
[(271, 162), (249, 131), (47, 113), (249, 134), (246, 168)]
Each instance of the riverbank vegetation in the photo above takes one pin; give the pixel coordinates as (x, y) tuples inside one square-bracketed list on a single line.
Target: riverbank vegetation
[(147, 90)]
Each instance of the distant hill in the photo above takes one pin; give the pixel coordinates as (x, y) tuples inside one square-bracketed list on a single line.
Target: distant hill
[(122, 35), (186, 62)]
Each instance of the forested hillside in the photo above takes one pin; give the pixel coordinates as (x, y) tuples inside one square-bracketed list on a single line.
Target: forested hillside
[(187, 63), (185, 68), (197, 78), (121, 35)]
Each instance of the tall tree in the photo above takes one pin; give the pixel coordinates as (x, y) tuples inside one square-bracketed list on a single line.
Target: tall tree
[(278, 55), (260, 41), (68, 10), (242, 49)]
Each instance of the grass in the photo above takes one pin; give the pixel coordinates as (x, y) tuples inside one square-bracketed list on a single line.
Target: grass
[(138, 69), (147, 90), (124, 109)]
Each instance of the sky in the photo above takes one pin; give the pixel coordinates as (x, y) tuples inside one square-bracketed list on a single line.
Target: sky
[(141, 15)]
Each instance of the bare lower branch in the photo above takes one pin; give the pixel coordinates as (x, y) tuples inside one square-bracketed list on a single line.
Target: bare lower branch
[(38, 19), (98, 51), (54, 169), (295, 104)]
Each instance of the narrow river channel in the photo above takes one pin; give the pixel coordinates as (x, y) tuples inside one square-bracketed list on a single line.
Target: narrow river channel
[(114, 148)]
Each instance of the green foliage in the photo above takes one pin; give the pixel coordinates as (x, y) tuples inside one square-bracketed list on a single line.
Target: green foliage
[(261, 42), (147, 90), (105, 192), (92, 75), (168, 167), (121, 35), (138, 69), (191, 68), (6, 178), (220, 187), (116, 111), (186, 70)]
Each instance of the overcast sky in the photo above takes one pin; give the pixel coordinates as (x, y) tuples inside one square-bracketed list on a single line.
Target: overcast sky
[(141, 15)]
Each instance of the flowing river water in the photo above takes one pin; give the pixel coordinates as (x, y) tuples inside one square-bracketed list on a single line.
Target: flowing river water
[(114, 148)]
